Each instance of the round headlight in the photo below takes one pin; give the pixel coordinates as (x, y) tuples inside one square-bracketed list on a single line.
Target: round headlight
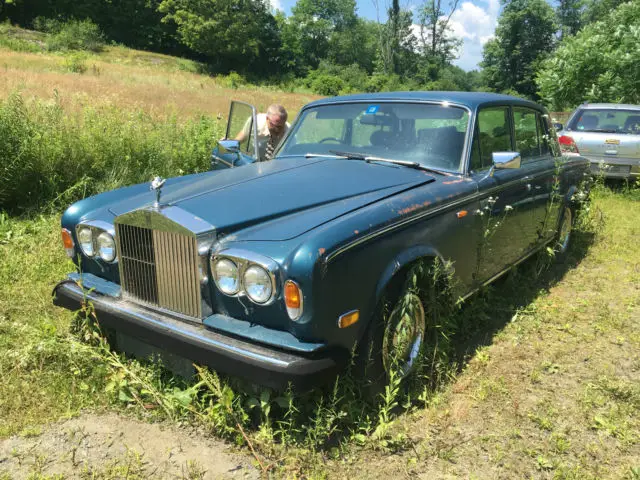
[(225, 273), (106, 247), (257, 284), (85, 239)]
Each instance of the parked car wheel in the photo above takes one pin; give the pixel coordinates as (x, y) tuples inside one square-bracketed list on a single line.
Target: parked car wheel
[(563, 237), (394, 340)]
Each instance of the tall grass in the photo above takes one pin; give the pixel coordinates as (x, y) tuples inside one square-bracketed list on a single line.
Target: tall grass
[(50, 157)]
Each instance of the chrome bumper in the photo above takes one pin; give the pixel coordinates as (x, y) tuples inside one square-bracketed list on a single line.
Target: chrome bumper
[(264, 365)]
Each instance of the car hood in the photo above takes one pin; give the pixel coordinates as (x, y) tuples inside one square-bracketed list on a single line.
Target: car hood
[(292, 195)]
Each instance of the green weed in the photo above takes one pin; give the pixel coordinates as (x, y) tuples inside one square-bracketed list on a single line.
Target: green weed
[(52, 157)]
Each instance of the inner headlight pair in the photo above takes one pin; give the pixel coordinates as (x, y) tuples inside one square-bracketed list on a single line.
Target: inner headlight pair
[(234, 275), (94, 241)]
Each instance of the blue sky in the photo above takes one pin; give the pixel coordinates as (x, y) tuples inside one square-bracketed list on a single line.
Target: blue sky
[(474, 21)]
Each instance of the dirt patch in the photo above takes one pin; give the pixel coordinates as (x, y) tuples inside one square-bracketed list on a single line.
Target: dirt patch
[(112, 445)]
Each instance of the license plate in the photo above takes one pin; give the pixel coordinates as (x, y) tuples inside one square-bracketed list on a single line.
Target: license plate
[(614, 168)]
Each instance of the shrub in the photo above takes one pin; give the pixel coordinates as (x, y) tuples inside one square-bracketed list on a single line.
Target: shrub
[(329, 85), (233, 80), (75, 35), (50, 157), (76, 63)]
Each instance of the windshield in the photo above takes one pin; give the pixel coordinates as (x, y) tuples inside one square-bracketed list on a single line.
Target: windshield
[(606, 120), (432, 135)]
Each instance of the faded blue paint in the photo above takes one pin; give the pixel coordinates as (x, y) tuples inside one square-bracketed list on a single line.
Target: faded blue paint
[(342, 228)]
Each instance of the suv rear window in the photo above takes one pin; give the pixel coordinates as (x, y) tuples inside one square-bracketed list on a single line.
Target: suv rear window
[(606, 120)]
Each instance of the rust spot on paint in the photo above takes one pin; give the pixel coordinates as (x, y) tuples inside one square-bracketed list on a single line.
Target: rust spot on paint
[(450, 182), (321, 251), (414, 207)]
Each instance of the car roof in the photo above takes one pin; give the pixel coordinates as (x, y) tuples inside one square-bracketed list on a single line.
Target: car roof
[(471, 100), (612, 106)]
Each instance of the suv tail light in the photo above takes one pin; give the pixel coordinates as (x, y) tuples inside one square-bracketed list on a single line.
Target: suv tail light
[(568, 144)]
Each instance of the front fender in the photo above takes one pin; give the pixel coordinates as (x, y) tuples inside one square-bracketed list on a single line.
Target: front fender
[(403, 260)]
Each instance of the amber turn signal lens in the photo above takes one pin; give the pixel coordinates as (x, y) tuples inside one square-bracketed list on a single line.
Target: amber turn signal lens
[(293, 299), (348, 319), (291, 294), (67, 242)]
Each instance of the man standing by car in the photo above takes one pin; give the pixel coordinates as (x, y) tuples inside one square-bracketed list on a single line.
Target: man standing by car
[(272, 127)]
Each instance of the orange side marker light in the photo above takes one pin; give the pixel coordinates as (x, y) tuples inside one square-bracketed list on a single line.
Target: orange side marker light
[(348, 319), (462, 214)]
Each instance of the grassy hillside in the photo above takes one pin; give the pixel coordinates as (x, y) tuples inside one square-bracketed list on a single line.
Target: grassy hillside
[(73, 124), (543, 382)]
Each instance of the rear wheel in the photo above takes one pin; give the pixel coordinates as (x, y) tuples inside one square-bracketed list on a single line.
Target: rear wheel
[(563, 237)]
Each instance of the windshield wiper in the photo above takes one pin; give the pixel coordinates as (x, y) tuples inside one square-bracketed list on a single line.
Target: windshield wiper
[(602, 130), (369, 158)]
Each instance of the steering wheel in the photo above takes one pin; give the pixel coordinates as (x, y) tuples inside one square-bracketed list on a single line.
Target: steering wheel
[(326, 139)]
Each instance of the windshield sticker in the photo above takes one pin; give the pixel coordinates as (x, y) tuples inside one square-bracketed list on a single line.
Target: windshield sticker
[(372, 110)]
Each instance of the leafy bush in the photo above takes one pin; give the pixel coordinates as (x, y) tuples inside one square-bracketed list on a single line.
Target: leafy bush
[(233, 80), (74, 35), (51, 157), (599, 64), (76, 63), (329, 85)]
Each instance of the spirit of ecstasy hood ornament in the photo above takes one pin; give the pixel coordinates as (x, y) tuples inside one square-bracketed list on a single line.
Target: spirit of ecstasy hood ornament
[(156, 184)]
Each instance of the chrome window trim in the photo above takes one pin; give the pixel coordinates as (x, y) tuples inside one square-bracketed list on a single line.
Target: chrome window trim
[(243, 260), (446, 104)]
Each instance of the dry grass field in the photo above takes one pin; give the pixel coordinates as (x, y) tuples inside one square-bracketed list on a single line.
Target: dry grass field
[(132, 80)]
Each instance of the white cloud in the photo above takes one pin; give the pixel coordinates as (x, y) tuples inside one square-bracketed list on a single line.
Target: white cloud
[(475, 25), (275, 4)]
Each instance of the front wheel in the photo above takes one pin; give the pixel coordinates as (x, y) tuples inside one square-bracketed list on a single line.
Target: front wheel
[(394, 341)]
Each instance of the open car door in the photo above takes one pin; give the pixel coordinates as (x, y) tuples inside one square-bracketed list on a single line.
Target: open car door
[(240, 144)]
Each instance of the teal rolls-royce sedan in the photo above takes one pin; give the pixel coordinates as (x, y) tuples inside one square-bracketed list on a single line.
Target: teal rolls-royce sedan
[(275, 271)]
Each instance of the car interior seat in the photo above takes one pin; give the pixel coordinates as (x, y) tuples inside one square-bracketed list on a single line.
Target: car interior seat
[(632, 123), (381, 138), (588, 122)]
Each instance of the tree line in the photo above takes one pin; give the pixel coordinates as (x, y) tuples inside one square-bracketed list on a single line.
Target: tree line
[(580, 50)]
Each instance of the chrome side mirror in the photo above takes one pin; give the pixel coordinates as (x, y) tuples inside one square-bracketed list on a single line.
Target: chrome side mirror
[(229, 146), (504, 161)]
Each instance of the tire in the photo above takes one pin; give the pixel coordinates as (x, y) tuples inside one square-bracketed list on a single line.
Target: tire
[(394, 340), (563, 237)]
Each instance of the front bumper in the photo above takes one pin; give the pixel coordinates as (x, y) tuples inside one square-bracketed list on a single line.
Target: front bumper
[(261, 364)]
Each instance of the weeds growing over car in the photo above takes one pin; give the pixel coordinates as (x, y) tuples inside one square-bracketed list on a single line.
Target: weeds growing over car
[(330, 422), (325, 419)]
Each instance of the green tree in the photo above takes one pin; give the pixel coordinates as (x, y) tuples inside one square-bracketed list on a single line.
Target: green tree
[(436, 38), (355, 45), (596, 10), (569, 13), (524, 37), (599, 64), (233, 34), (397, 45)]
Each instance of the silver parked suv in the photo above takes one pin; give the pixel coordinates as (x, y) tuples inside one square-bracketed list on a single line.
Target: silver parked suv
[(608, 134)]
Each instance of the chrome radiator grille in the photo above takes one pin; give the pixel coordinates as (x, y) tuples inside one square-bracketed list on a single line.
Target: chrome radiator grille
[(159, 268)]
